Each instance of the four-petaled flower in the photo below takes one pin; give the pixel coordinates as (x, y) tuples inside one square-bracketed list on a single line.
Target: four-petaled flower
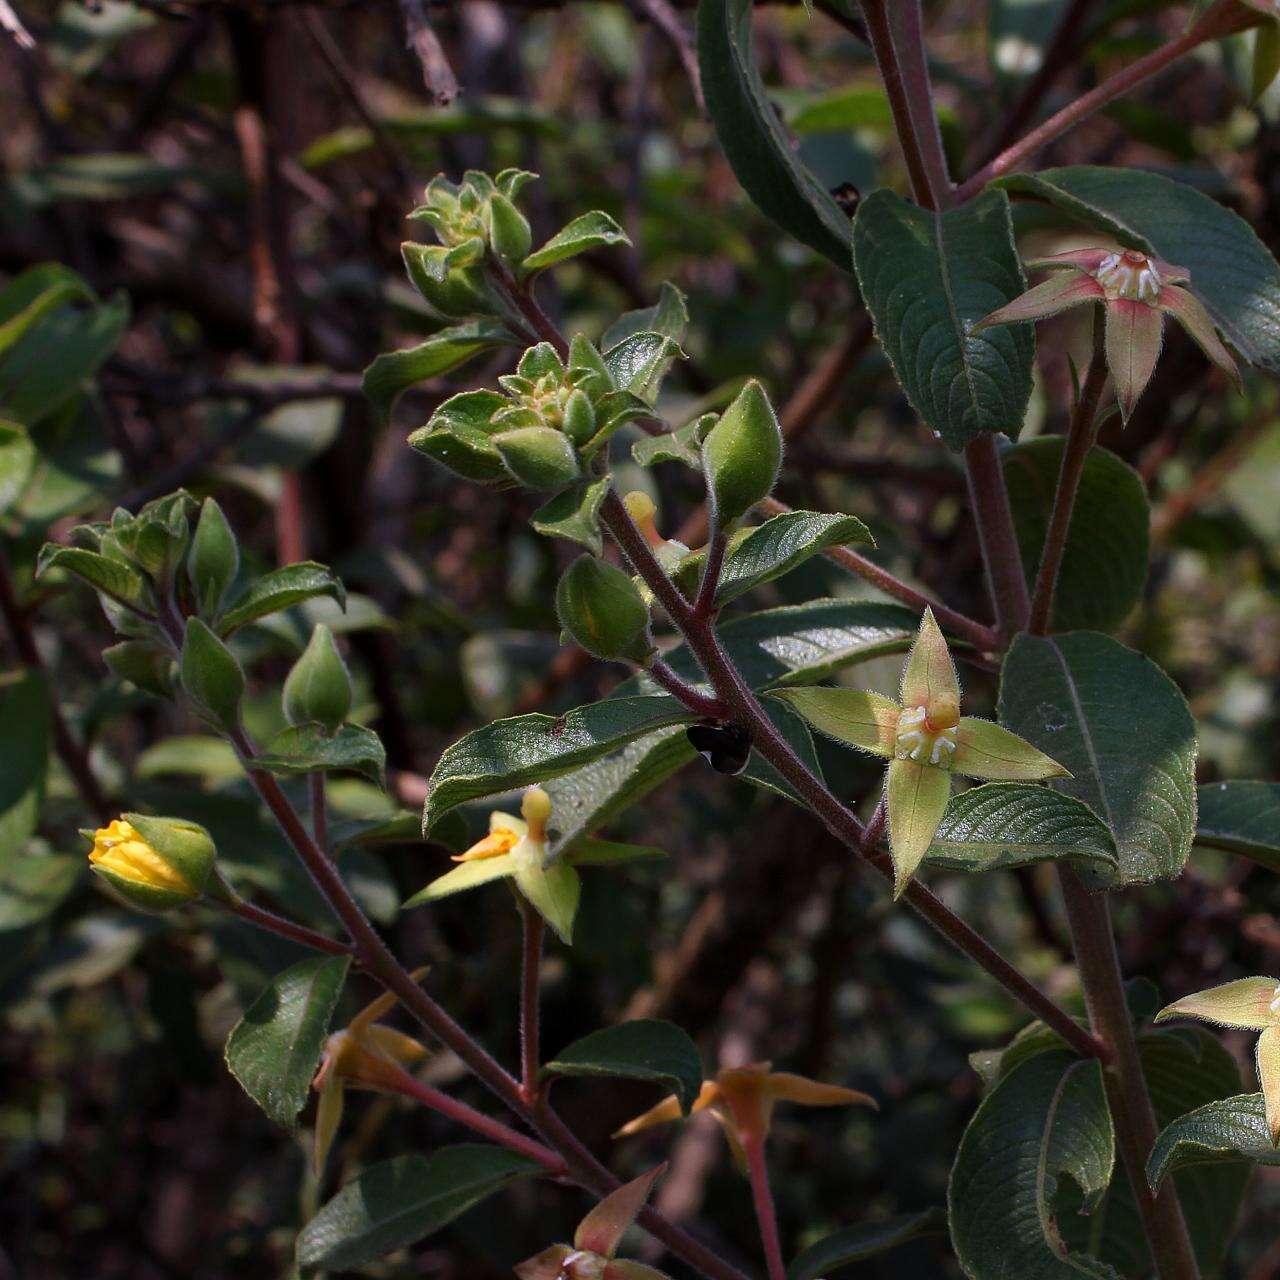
[(363, 1055), (1136, 292), (591, 1256), (1248, 1004), (742, 1100), (925, 739)]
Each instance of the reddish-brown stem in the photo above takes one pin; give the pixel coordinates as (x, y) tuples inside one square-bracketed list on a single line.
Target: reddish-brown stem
[(766, 1213), (1079, 441), (272, 923), (914, 64), (72, 754), (477, 1121), (530, 989), (834, 814), (696, 701), (704, 606), (1225, 18), (952, 619), (1000, 555), (319, 809)]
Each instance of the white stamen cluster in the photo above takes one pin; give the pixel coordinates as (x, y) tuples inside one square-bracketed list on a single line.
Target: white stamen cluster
[(915, 740), (1275, 1003), (1129, 275), (582, 1265)]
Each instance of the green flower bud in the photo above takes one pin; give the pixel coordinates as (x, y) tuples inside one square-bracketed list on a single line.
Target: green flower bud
[(143, 664), (579, 417), (599, 606), (509, 231), (211, 675), (156, 864), (213, 560), (741, 454), (319, 686), (538, 457), (453, 291)]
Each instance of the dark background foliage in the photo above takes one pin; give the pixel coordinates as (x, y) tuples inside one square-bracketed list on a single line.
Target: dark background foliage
[(243, 173)]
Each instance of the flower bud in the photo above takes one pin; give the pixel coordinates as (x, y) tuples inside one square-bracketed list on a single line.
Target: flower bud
[(154, 863), (453, 291), (579, 417), (538, 457), (509, 232), (319, 686), (599, 606), (214, 558), (741, 454)]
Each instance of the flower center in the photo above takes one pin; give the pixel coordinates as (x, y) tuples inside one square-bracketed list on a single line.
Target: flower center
[(927, 734), (1129, 275), (582, 1265)]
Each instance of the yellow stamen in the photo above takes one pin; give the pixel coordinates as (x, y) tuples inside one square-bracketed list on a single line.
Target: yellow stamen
[(119, 848), (640, 507), (535, 808), (494, 845)]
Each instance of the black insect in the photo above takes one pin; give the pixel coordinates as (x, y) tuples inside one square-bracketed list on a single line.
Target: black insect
[(724, 745), (847, 196)]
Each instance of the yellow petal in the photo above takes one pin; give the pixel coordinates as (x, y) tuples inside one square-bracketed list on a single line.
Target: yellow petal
[(553, 891), (929, 672), (786, 1087), (328, 1118), (1250, 1004), (918, 795), (1269, 1079), (494, 845), (990, 751), (393, 1045), (669, 1109)]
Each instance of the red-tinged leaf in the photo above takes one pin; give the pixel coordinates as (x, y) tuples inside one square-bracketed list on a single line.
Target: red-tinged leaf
[(1135, 333), (601, 1230)]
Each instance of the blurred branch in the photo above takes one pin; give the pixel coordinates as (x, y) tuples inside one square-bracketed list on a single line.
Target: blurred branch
[(437, 74), (662, 15), (12, 24)]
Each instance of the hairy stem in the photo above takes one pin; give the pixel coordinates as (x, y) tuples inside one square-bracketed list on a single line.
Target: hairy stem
[(1000, 555), (692, 698), (1080, 437), (766, 1214), (1136, 1130), (530, 992), (269, 922), (1225, 18), (319, 808)]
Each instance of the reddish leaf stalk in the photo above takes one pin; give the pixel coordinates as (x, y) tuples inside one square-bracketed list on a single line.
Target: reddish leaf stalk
[(766, 1213), (530, 992), (268, 921)]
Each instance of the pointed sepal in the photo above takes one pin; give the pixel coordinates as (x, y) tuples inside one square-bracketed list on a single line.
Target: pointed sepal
[(917, 795), (1268, 1060), (1134, 336), (992, 753), (929, 672), (1247, 1004), (603, 1228), (855, 717), (1053, 296), (1188, 311)]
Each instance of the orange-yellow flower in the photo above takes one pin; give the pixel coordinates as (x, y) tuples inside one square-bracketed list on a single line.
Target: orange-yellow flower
[(154, 863)]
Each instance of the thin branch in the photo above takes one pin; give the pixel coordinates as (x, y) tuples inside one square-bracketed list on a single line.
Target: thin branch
[(766, 1213), (663, 16), (1079, 441), (1224, 19), (437, 75), (269, 922), (996, 535), (697, 702), (11, 23), (532, 931)]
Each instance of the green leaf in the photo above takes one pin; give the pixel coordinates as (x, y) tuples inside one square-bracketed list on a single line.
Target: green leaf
[(33, 295), (1045, 1122), (17, 457), (1122, 728), (754, 141), (776, 547), (1232, 271), (120, 581), (1104, 567), (639, 363), (1184, 1070), (591, 852), (32, 888), (281, 589), (394, 372), (682, 445), (526, 749), (594, 230), (393, 1204), (866, 1240), (575, 515), (275, 1048), (1014, 824), (1241, 817), (210, 674), (306, 748), (25, 719), (1230, 1131), (927, 278), (668, 316), (646, 1049)]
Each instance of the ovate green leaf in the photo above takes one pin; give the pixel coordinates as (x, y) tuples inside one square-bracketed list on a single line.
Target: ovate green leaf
[(281, 589), (306, 748), (1229, 1131), (1241, 817)]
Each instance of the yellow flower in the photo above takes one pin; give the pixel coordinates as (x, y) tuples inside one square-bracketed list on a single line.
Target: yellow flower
[(925, 739), (1248, 1004), (591, 1256), (154, 863), (742, 1100), (363, 1055)]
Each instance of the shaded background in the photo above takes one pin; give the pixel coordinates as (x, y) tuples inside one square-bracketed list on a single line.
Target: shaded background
[(242, 174)]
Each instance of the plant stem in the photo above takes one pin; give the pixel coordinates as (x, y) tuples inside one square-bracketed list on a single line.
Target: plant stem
[(378, 959), (914, 63), (1080, 438), (692, 698), (704, 606), (766, 1214), (838, 819), (1089, 917), (272, 923), (70, 751), (996, 535), (530, 988), (480, 1123), (984, 638), (1223, 19), (319, 814)]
